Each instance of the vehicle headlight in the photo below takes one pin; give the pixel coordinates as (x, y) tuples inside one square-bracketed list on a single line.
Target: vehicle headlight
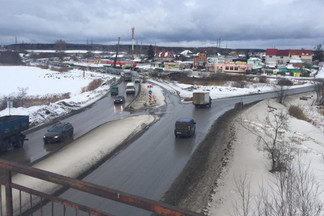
[(57, 136), (44, 137)]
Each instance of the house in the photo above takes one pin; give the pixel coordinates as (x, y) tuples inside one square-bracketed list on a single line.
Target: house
[(177, 65), (288, 71), (304, 55), (200, 60), (256, 63), (171, 65), (275, 57), (164, 56), (233, 67)]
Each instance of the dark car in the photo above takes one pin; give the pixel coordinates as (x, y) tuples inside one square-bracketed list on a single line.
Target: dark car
[(185, 127), (114, 90), (58, 132), (119, 99)]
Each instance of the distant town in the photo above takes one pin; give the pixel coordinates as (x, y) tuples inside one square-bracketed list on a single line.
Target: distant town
[(283, 62)]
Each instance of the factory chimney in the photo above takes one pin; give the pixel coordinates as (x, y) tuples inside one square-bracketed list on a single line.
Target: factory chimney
[(133, 29)]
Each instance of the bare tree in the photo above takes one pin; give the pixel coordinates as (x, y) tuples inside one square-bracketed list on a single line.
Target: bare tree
[(60, 47), (319, 89), (283, 86), (293, 192), (21, 96), (243, 189), (318, 53), (271, 138)]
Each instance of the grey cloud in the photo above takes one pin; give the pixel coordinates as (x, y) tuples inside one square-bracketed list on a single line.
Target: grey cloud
[(186, 22)]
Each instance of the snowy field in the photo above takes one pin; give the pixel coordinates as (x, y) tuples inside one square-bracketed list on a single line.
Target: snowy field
[(43, 82)]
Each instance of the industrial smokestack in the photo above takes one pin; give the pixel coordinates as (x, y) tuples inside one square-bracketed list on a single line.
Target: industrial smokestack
[(133, 29)]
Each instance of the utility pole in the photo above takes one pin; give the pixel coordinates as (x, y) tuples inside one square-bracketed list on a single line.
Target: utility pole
[(116, 52)]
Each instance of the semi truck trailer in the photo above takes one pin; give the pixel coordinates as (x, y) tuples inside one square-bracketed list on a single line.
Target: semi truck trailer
[(11, 131)]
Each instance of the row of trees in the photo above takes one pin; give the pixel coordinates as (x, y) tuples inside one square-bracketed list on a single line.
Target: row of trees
[(318, 53), (10, 58), (60, 47)]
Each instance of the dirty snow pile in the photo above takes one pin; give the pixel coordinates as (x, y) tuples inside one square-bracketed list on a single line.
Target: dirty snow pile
[(142, 100), (35, 81)]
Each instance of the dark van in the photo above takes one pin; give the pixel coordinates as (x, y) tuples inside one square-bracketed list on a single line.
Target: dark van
[(114, 90), (184, 127)]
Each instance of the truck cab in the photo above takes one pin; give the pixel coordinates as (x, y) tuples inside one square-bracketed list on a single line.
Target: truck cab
[(127, 76), (130, 88)]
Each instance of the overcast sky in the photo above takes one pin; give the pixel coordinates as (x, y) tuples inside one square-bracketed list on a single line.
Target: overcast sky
[(238, 23)]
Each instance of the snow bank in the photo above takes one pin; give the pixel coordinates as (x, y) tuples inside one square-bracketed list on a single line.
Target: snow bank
[(83, 153), (142, 100), (320, 73), (186, 90), (42, 82), (247, 160)]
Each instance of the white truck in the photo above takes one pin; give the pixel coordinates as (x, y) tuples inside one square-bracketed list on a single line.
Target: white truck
[(201, 99), (130, 88)]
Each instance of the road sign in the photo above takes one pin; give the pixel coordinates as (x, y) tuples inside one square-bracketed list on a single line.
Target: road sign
[(9, 104)]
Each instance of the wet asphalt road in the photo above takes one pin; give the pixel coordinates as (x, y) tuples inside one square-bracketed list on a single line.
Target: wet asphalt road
[(101, 112), (150, 164)]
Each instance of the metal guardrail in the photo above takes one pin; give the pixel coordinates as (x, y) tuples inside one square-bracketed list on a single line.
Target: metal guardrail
[(6, 198)]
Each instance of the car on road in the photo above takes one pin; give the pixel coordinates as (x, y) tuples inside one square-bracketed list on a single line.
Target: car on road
[(58, 132), (114, 90), (137, 79), (184, 127), (130, 88), (119, 99)]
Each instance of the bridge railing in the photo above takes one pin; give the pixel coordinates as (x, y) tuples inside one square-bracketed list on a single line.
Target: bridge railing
[(7, 187)]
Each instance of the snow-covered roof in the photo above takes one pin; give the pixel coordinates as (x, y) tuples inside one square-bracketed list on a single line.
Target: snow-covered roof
[(186, 52)]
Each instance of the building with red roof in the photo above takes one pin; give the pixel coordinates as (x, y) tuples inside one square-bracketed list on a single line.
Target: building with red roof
[(275, 57), (306, 56), (164, 56), (272, 52)]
